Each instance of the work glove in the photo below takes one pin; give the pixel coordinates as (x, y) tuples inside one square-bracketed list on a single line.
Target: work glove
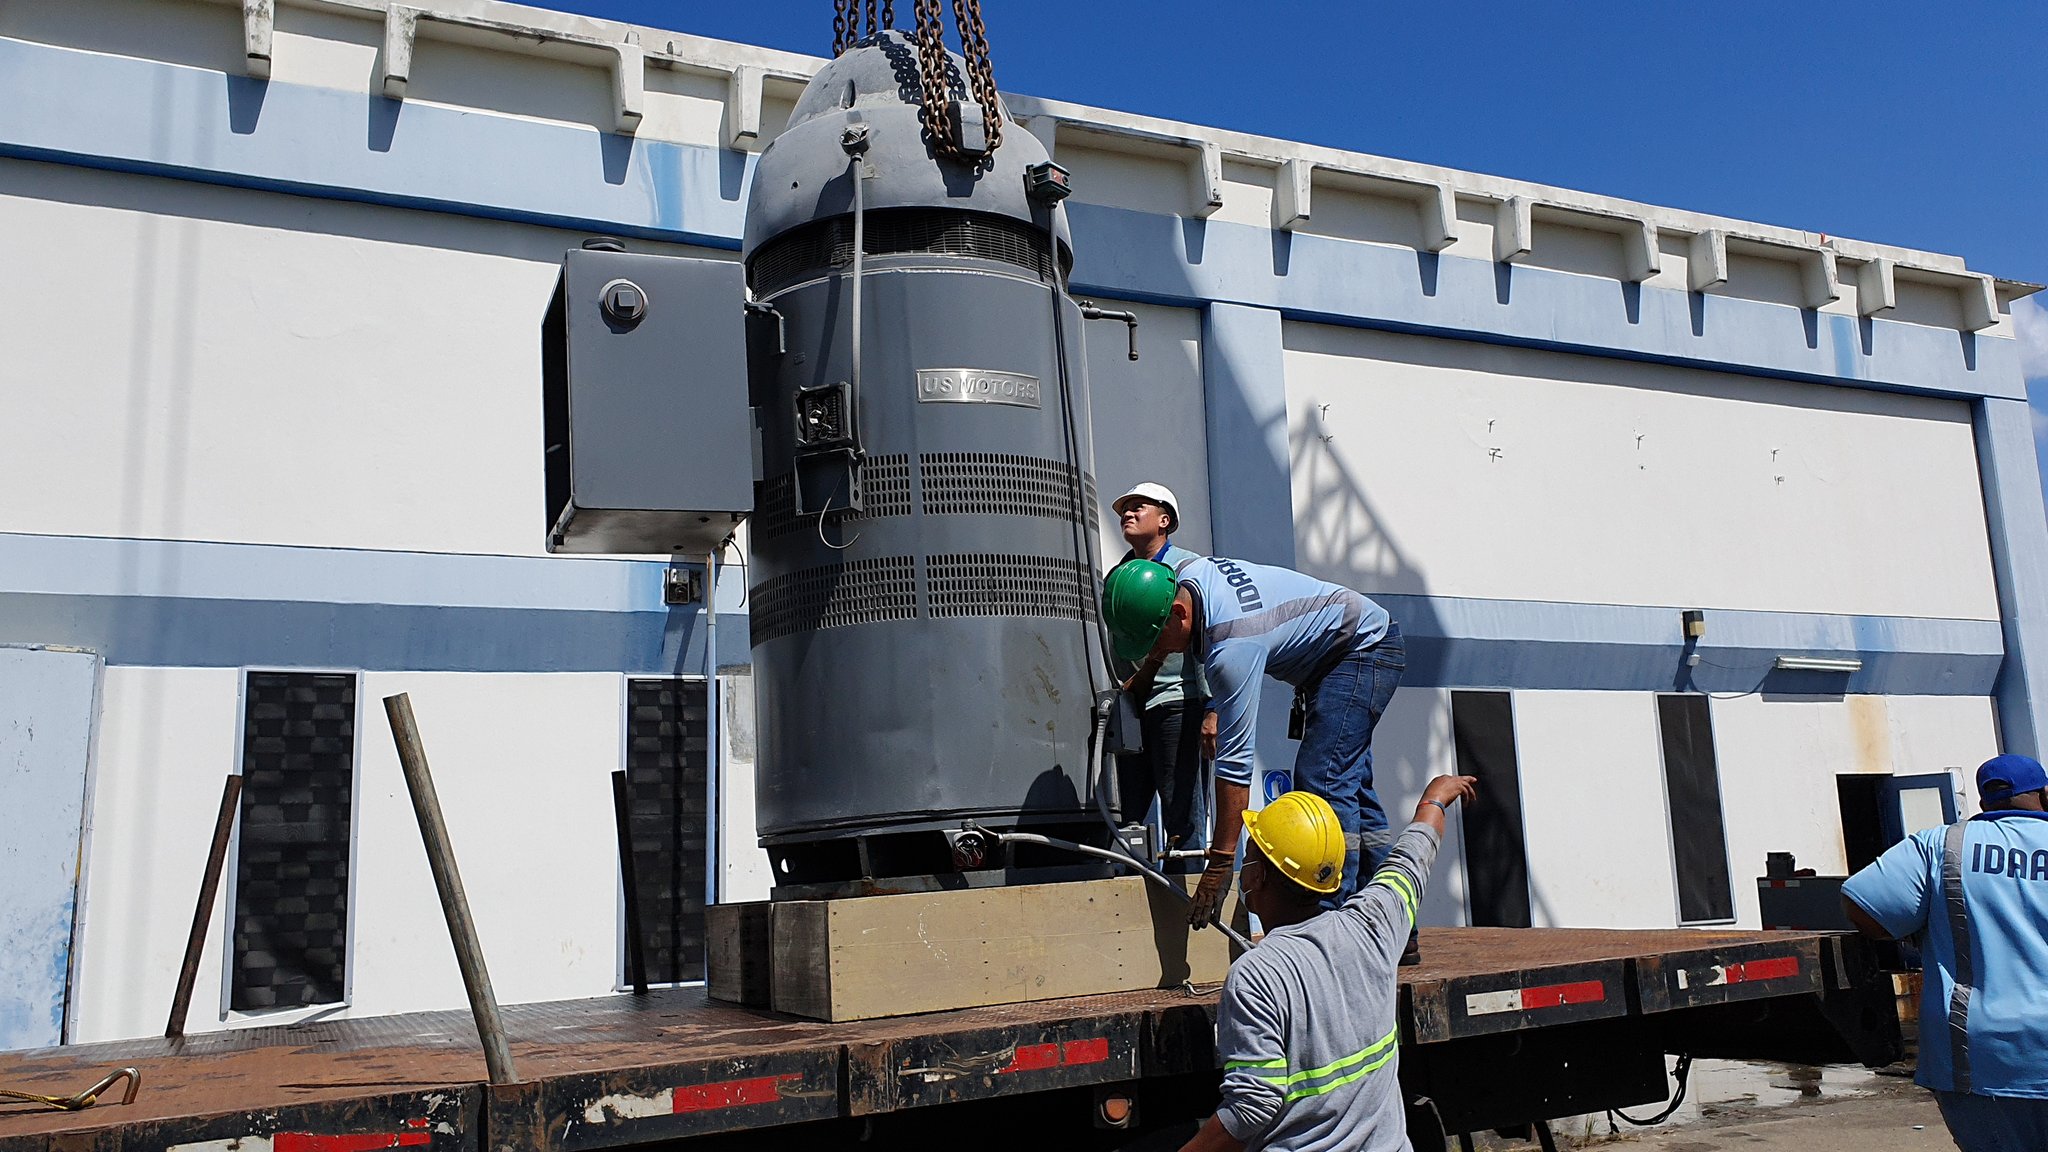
[(1209, 894)]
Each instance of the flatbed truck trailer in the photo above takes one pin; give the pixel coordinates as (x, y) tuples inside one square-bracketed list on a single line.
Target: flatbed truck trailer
[(1500, 1029)]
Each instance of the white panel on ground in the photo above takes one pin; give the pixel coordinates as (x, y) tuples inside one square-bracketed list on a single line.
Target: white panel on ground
[(166, 745), (259, 368), (45, 749), (1148, 416), (1430, 466), (1594, 756), (523, 765), (1410, 747)]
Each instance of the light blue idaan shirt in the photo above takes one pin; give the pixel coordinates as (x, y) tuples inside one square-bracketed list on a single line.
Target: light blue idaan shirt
[(1255, 621), (1987, 981)]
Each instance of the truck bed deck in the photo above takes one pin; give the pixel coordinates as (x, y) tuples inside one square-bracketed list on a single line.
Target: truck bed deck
[(625, 1069)]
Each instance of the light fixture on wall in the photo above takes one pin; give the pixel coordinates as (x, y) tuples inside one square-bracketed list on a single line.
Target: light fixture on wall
[(1815, 664)]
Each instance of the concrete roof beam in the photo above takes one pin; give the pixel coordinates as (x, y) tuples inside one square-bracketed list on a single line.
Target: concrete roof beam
[(743, 107), (1205, 178), (1706, 260), (259, 20), (1514, 230), (1980, 303), (394, 64), (1291, 190), (1877, 289), (1820, 278)]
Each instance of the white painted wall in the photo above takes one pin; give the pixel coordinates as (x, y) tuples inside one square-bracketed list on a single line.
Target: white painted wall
[(1778, 759), (1598, 839), (744, 873), (259, 368), (1457, 469), (522, 765), (166, 745), (1410, 747)]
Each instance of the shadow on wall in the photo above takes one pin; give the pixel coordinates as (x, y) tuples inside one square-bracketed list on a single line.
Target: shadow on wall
[(1340, 536)]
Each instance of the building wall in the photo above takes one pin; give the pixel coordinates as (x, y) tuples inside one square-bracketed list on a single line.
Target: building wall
[(1437, 467), (272, 376)]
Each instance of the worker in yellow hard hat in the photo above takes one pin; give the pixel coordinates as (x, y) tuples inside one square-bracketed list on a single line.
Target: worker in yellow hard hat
[(1307, 1027)]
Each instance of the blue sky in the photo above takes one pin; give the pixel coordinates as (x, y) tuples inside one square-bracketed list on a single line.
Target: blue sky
[(1911, 123)]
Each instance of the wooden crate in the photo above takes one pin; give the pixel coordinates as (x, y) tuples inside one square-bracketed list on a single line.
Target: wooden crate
[(871, 956)]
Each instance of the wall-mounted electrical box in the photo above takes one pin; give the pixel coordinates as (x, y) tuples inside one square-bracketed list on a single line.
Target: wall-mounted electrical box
[(648, 436)]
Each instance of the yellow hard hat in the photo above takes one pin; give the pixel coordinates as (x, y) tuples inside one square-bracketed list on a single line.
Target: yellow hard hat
[(1298, 833)]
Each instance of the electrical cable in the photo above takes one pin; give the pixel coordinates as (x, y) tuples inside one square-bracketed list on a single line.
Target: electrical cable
[(1679, 1073), (1158, 878)]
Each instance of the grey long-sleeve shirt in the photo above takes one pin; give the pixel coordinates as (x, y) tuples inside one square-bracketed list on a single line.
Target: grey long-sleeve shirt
[(1307, 1024)]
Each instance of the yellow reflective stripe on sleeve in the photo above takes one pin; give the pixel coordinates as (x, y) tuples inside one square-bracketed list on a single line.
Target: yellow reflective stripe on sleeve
[(1401, 887), (1384, 1044), (1339, 1082)]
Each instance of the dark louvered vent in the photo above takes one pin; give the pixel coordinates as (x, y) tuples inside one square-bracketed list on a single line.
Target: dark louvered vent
[(885, 491), (667, 804), (826, 246), (291, 872), (1000, 484), (999, 584), (834, 596)]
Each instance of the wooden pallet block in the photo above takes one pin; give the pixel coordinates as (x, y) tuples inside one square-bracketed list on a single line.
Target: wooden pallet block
[(871, 956), (738, 951)]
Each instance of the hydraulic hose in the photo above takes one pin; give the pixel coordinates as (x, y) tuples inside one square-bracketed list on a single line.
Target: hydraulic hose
[(1158, 878)]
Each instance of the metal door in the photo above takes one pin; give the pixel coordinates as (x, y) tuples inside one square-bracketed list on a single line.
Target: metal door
[(1909, 804), (48, 698)]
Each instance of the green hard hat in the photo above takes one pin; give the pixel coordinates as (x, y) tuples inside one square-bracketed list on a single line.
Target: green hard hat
[(1136, 598)]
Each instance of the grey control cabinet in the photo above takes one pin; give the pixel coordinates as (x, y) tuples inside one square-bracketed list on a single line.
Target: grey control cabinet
[(649, 439)]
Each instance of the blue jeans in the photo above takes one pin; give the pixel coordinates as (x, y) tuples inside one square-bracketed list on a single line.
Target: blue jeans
[(1984, 1123), (1335, 757)]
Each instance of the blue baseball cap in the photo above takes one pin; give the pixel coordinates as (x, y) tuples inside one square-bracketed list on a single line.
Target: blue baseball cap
[(2002, 776)]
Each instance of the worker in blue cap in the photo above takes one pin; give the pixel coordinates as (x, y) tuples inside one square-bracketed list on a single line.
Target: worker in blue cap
[(1976, 895)]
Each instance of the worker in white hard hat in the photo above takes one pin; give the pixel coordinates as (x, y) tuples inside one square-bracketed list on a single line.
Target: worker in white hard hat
[(1307, 1027), (1169, 765)]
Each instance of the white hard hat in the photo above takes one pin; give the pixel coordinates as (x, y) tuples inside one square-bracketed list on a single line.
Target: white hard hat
[(1156, 493)]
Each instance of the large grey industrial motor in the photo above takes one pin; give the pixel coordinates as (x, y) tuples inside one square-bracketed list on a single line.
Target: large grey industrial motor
[(922, 602)]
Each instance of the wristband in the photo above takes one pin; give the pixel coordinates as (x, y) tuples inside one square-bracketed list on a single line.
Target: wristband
[(1446, 808)]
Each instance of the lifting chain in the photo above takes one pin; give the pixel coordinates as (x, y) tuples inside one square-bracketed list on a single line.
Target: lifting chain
[(847, 23), (856, 21), (935, 67)]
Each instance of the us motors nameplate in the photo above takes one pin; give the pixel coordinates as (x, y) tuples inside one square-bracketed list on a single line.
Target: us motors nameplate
[(976, 386)]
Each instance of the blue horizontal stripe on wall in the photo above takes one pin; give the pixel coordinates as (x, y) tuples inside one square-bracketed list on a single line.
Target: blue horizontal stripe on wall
[(146, 116), (1465, 643), (185, 603), (179, 603)]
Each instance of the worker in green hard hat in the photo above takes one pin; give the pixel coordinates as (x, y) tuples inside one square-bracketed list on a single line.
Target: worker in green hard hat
[(1341, 652), (1169, 764)]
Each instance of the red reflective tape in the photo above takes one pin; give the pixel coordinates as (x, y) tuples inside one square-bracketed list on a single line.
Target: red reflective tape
[(349, 1142), (1558, 995), (727, 1094), (1086, 1051), (1774, 969), (1032, 1058)]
